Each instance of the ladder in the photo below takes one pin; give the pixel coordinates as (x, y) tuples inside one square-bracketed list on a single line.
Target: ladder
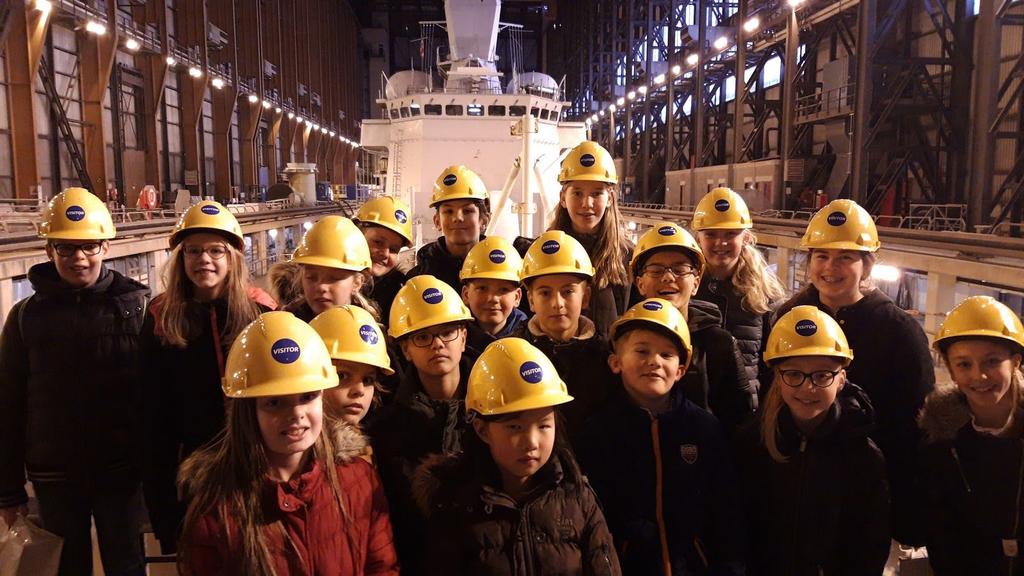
[(74, 152)]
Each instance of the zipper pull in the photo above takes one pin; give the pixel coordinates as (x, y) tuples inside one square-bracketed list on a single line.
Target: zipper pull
[(803, 444)]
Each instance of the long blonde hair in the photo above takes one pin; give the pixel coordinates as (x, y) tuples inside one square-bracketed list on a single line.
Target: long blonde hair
[(226, 478), (172, 320), (770, 421), (757, 284), (611, 247)]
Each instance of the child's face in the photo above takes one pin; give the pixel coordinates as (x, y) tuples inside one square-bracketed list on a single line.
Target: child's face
[(326, 288), (983, 370), (351, 399), (207, 260), (722, 249), (586, 203), (460, 221), (649, 364), (491, 301), (836, 273), (441, 355), (657, 279), (807, 402), (384, 247), (557, 300), (289, 424), (78, 269), (520, 444)]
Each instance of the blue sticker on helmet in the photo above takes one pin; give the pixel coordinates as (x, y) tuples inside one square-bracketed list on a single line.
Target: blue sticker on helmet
[(531, 372), (667, 231), (75, 213), (550, 247), (836, 219), (285, 351), (450, 179), (210, 210), (722, 205), (806, 328), (653, 306), (368, 334), (432, 296), (401, 217), (496, 256), (587, 160)]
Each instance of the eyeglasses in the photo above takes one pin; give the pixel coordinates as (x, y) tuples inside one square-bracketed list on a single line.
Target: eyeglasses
[(68, 250), (679, 270), (424, 338), (217, 251), (818, 378)]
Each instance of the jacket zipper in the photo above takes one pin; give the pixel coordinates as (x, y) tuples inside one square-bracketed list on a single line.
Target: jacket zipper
[(796, 511), (659, 515), (524, 519), (960, 469)]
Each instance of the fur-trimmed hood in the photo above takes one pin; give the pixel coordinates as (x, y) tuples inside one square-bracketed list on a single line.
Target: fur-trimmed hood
[(435, 479), (946, 411), (348, 441)]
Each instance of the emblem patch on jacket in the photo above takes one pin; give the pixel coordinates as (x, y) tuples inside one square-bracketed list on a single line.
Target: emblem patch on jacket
[(688, 452)]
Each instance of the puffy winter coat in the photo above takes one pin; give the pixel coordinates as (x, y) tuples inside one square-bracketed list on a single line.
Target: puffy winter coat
[(436, 260), (305, 532), (183, 404), (972, 482), (825, 511), (892, 363), (748, 328), (69, 362), (667, 485), (478, 339), (716, 379), (475, 528), (384, 291)]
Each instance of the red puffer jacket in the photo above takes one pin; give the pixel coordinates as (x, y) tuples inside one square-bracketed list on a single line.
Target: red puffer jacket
[(304, 530)]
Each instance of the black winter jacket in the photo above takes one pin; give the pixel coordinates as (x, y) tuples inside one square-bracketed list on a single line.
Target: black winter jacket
[(681, 459), (69, 367), (475, 528), (405, 432), (892, 363), (384, 291), (825, 511), (716, 379), (971, 482), (749, 329), (436, 260)]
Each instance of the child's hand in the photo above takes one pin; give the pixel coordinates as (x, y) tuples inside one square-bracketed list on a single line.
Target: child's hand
[(10, 514)]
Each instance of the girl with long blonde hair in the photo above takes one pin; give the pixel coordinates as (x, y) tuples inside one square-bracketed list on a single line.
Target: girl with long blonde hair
[(188, 329)]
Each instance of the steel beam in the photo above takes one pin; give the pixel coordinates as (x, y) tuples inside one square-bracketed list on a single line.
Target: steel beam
[(192, 36), (26, 39), (96, 58), (222, 15), (154, 77)]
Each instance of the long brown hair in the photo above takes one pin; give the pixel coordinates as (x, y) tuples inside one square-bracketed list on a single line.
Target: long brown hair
[(172, 320), (611, 247)]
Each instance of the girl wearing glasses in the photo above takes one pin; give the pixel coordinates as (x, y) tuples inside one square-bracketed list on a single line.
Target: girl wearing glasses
[(188, 330), (813, 483), (973, 461)]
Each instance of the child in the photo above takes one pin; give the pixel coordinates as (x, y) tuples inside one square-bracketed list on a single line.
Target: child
[(461, 213), (360, 356), (387, 226), (660, 465), (814, 484), (973, 458), (668, 263), (428, 319), (490, 287), (335, 260), (557, 273), (738, 280), (186, 335), (273, 495), (514, 502), (893, 363), (68, 370)]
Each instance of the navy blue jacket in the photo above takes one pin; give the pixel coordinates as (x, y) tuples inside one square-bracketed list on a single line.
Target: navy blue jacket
[(478, 339)]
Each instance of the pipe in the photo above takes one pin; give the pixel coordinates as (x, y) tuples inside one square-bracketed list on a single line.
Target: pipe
[(506, 191)]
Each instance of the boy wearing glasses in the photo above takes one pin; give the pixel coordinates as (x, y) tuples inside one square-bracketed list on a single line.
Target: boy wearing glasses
[(427, 416), (68, 371), (661, 465), (668, 263)]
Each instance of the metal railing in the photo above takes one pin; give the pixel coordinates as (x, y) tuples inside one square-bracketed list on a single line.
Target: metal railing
[(832, 102)]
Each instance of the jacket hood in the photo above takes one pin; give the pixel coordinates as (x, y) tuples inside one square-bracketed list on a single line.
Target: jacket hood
[(514, 320), (349, 442), (851, 416), (946, 411), (701, 315), (410, 389), (874, 298), (586, 329), (46, 281)]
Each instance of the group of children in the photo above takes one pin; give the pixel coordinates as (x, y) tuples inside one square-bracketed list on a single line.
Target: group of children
[(663, 412)]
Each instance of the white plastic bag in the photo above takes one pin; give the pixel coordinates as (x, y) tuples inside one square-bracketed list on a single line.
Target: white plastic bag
[(26, 549)]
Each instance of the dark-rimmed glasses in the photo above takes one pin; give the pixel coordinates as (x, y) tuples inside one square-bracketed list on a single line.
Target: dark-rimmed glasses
[(68, 250), (677, 270), (216, 252), (424, 338), (818, 378)]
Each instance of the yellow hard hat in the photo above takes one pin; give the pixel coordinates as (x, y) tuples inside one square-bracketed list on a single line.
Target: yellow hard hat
[(588, 161), (980, 317), (388, 212), (841, 225), (494, 258), (667, 235), (721, 209), (208, 216), (423, 302), (658, 312), (555, 252), (76, 214), (334, 242), (458, 183), (807, 331), (352, 334), (511, 376), (275, 355)]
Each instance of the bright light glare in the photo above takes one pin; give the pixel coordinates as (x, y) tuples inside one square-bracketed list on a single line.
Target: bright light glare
[(307, 225), (132, 44), (659, 79), (44, 6), (94, 27), (594, 117), (171, 61), (752, 25), (612, 108), (631, 95), (291, 115), (194, 72), (721, 43), (253, 98), (277, 110), (885, 273), (795, 3), (692, 59), (642, 90), (217, 83), (620, 101), (266, 105), (272, 232), (676, 69), (332, 133)]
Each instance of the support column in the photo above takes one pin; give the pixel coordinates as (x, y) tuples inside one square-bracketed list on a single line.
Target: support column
[(789, 95), (96, 59), (26, 39), (6, 297), (154, 77), (938, 301), (986, 86), (302, 142), (158, 260), (741, 92), (289, 129), (223, 110), (270, 157), (192, 30), (862, 106), (782, 260)]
